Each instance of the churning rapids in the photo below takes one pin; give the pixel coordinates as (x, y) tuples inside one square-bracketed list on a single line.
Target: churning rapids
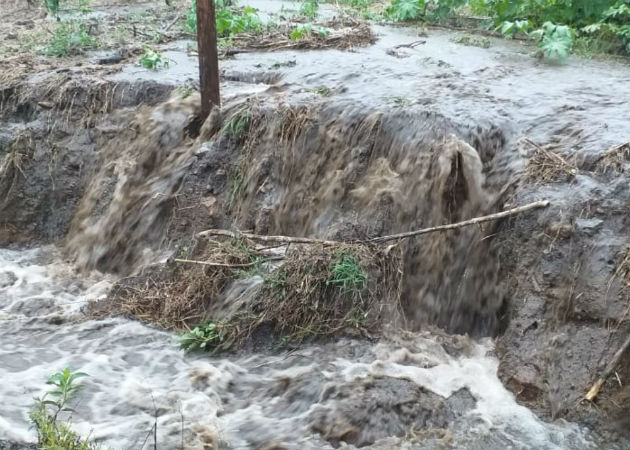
[(137, 372)]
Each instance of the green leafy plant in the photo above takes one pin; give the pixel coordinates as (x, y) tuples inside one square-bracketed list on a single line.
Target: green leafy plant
[(308, 9), (69, 38), (52, 6), (305, 30), (238, 123), (555, 41), (405, 10), (52, 432), (511, 28), (185, 91), (277, 282), (358, 4), (324, 91), (229, 20), (152, 59), (347, 274), (84, 6), (202, 337), (300, 32)]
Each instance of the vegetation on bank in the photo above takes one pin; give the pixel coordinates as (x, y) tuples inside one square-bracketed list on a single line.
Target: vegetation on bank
[(53, 431), (557, 25)]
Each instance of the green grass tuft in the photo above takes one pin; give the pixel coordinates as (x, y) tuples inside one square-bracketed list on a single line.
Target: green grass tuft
[(347, 274)]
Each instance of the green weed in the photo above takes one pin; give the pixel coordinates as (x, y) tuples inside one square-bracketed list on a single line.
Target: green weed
[(399, 101), (229, 20), (236, 182), (84, 6), (602, 25), (347, 274), (53, 433), (308, 9), (185, 91), (304, 30), (554, 40), (52, 6), (510, 28), (276, 281), (322, 90), (358, 4), (153, 60), (202, 337), (405, 10), (238, 123), (69, 38)]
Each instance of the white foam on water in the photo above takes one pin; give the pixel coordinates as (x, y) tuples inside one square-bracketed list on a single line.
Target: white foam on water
[(139, 377)]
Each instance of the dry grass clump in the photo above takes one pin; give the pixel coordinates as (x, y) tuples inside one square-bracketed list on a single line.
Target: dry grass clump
[(322, 291), (180, 296), (546, 166), (318, 290), (615, 158), (280, 39)]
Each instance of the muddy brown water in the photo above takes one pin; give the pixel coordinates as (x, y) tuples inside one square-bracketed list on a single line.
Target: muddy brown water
[(400, 143)]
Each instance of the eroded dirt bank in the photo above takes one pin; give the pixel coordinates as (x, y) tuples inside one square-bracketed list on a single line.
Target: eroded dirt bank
[(122, 176)]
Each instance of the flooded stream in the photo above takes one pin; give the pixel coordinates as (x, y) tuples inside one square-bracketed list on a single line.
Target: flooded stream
[(376, 395)]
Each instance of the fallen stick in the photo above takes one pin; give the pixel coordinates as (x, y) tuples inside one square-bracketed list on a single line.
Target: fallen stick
[(393, 237), (594, 390), (452, 226), (261, 238), (213, 264)]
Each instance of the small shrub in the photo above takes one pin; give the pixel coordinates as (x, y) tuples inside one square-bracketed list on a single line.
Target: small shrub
[(229, 21), (53, 433), (308, 9), (154, 60), (358, 4), (202, 337), (405, 10), (555, 41), (52, 6), (324, 91), (300, 32), (69, 38), (509, 29)]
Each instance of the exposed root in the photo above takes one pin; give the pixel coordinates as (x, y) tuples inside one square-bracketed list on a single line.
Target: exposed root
[(11, 166), (545, 165)]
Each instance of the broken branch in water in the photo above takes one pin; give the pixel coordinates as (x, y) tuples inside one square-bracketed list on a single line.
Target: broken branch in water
[(381, 239), (594, 390)]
